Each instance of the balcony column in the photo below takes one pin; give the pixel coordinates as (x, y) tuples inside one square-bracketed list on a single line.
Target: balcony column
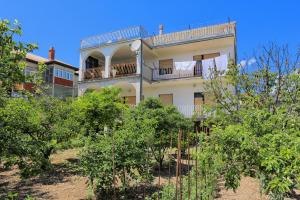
[(107, 66), (82, 67)]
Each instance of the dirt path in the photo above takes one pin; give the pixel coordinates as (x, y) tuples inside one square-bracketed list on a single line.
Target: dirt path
[(61, 184), (65, 184), (249, 189)]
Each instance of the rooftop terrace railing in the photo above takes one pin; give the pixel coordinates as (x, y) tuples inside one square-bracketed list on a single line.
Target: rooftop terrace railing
[(137, 32), (194, 34), (115, 36)]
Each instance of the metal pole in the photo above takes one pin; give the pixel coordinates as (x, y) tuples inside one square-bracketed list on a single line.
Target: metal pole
[(177, 164), (114, 172), (189, 177), (196, 165), (141, 66), (180, 167), (170, 158), (159, 169)]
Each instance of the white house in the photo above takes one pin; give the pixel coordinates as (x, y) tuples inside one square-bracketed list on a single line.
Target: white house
[(172, 66)]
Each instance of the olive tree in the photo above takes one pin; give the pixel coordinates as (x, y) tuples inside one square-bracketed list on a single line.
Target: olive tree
[(257, 123), (168, 122)]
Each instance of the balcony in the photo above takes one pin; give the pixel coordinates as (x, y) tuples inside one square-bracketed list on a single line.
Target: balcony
[(171, 73), (117, 70), (175, 73)]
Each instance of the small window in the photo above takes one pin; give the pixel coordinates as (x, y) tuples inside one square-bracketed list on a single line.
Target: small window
[(56, 72), (60, 73), (166, 99), (71, 77)]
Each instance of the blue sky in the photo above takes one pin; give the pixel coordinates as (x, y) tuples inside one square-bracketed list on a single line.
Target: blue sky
[(63, 23)]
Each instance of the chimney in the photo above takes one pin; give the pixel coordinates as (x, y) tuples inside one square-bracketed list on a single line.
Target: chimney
[(51, 53), (161, 29)]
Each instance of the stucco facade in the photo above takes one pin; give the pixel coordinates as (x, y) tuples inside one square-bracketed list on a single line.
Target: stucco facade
[(106, 62)]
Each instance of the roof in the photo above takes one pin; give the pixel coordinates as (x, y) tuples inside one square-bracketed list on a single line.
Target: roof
[(38, 59)]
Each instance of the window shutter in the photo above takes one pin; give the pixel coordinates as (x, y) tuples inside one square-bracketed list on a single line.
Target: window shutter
[(166, 99)]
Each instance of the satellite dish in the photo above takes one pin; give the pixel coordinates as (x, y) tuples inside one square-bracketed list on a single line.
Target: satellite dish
[(135, 46)]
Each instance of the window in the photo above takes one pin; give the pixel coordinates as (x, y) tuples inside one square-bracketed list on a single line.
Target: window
[(63, 74), (56, 72), (166, 66), (166, 99), (198, 101)]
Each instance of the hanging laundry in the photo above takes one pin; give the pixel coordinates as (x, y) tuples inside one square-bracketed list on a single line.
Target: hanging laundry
[(185, 66), (208, 68), (221, 63)]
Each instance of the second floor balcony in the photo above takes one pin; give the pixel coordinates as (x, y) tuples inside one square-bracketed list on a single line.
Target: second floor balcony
[(117, 70), (188, 69)]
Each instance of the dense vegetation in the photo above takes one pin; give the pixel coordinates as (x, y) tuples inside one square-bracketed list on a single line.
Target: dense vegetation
[(254, 128)]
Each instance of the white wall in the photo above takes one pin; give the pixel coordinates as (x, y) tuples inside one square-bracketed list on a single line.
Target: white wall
[(183, 93)]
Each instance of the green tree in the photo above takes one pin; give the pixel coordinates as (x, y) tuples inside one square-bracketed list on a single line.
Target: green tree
[(257, 121), (12, 55), (119, 152), (33, 128), (168, 122), (99, 110)]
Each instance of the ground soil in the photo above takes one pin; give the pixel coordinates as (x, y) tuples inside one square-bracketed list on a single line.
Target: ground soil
[(63, 183)]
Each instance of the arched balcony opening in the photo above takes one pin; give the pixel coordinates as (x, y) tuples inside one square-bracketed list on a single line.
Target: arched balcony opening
[(123, 62), (94, 66)]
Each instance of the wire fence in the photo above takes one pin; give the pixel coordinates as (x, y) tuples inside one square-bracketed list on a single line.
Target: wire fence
[(183, 171)]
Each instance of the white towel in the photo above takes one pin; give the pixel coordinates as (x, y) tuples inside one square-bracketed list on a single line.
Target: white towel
[(208, 68), (185, 66), (221, 63)]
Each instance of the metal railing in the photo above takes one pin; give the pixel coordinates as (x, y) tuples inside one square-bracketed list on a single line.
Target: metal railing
[(173, 73), (115, 36), (138, 32), (190, 110), (194, 34), (147, 72)]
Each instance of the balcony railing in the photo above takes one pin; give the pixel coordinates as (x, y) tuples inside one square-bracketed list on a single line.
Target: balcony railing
[(194, 34), (94, 73), (138, 32), (173, 73), (117, 70), (190, 110), (113, 37)]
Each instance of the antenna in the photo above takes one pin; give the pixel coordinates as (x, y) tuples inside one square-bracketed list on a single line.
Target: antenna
[(136, 45), (228, 20)]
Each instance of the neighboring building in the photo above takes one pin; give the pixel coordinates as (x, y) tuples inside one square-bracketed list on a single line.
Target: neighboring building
[(60, 78), (172, 66)]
